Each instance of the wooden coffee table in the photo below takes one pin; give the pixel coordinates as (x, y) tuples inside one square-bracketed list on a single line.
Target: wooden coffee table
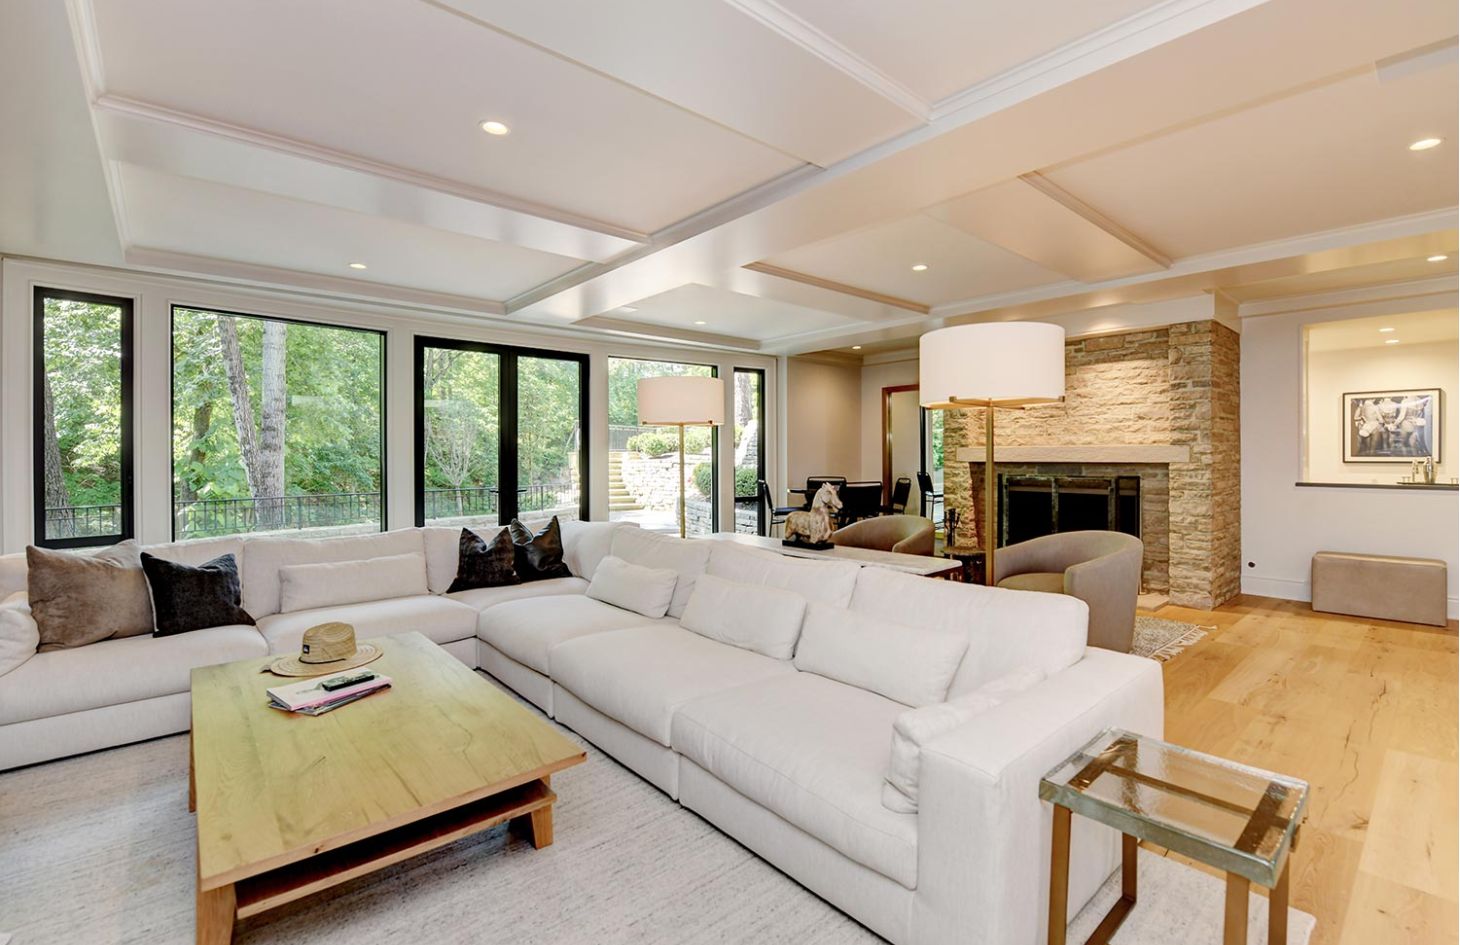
[(289, 805)]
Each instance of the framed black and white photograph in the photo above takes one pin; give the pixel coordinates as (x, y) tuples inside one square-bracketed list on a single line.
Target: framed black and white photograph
[(1391, 426)]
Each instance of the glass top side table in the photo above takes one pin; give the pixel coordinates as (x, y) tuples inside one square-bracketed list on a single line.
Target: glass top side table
[(1236, 818)]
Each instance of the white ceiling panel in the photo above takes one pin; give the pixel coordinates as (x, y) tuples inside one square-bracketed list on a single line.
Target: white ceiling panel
[(880, 259), (1024, 220), (406, 84), (1409, 328), (936, 48), (683, 50), (1329, 157), (705, 309), (199, 218)]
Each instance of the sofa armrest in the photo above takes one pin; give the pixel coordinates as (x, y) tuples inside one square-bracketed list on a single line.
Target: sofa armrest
[(983, 832), (1111, 585)]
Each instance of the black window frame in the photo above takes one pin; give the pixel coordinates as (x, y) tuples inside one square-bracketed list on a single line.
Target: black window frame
[(382, 334), (760, 517), (508, 417), (127, 431)]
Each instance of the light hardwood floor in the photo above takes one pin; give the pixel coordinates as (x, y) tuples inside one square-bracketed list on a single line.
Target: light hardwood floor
[(1366, 711)]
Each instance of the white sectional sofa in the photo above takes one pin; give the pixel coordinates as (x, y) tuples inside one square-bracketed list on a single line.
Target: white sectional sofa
[(788, 762)]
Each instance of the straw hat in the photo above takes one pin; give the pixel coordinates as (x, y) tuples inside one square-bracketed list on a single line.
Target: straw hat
[(327, 648)]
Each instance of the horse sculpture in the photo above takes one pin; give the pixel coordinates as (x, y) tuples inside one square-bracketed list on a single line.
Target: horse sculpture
[(814, 527)]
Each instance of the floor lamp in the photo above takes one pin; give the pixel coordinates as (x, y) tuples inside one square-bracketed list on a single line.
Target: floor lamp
[(991, 365), (681, 400)]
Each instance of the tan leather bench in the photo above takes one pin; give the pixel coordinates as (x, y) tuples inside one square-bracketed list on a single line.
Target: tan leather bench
[(1390, 588)]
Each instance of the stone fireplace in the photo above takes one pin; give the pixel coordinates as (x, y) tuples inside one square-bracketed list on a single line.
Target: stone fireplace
[(1161, 405)]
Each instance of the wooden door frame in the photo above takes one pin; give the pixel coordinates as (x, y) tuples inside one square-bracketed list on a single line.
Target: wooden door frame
[(887, 393)]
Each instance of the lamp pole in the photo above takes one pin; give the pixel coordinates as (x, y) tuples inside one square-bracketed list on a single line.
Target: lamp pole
[(991, 536), (682, 530)]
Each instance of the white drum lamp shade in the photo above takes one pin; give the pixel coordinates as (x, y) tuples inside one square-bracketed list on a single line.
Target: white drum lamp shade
[(676, 399), (1003, 363)]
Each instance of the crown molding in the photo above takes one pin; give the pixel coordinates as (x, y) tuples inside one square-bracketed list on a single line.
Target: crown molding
[(1438, 287), (326, 287), (123, 105), (633, 329), (783, 22)]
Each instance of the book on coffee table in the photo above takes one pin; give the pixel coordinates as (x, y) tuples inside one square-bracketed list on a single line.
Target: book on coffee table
[(311, 696)]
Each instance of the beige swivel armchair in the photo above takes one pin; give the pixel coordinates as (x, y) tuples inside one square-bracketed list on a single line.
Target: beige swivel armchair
[(1103, 569), (908, 534)]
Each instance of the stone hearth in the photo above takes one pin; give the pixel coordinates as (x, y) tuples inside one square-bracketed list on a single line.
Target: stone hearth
[(1161, 404)]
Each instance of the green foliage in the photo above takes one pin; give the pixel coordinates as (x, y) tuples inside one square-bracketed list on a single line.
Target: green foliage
[(665, 440), (745, 480), (623, 384), (83, 365)]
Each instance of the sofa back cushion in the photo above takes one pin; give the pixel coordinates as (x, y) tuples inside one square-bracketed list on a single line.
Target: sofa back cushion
[(754, 617), (686, 557), (906, 663), (198, 551), (263, 557), (827, 582), (1006, 630), (332, 583), (587, 543), (12, 574), (646, 591)]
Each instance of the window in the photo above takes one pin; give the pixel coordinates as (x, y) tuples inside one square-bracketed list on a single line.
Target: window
[(83, 419), (749, 450), (499, 434), (276, 426), (932, 453), (643, 462)]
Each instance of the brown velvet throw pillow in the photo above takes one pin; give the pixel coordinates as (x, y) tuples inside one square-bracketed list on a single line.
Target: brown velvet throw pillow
[(485, 564), (539, 556), (78, 599)]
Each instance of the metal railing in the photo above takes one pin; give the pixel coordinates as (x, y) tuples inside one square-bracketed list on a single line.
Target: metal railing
[(83, 521), (461, 503)]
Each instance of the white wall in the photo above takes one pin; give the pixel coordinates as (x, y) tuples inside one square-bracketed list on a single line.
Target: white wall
[(153, 297), (1331, 374), (1283, 525), (823, 435), (876, 376)]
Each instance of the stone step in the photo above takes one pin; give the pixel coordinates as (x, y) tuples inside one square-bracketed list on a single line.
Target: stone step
[(624, 507)]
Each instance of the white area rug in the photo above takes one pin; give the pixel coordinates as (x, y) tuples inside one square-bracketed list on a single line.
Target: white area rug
[(100, 849)]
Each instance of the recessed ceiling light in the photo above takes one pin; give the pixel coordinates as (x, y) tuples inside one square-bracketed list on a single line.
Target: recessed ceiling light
[(920, 267), (1391, 341), (1385, 331), (357, 266), (497, 128), (1438, 257), (856, 347), (1424, 144), (699, 323)]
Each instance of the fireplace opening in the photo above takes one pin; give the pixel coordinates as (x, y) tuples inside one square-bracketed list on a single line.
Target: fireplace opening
[(1031, 506)]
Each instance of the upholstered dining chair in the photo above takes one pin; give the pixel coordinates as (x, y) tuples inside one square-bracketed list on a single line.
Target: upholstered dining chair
[(1103, 569), (907, 534)]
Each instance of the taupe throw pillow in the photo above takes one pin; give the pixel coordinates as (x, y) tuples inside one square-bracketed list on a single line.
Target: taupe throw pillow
[(78, 599)]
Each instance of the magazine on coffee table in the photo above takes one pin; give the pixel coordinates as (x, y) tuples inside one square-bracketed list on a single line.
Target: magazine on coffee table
[(322, 693)]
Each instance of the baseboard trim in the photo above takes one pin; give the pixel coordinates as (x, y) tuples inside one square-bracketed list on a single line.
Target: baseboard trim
[(1289, 589)]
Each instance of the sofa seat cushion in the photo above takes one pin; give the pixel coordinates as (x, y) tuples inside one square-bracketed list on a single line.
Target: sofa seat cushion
[(438, 619), (641, 676), (814, 752), (1050, 582), (480, 598), (113, 672), (528, 630)]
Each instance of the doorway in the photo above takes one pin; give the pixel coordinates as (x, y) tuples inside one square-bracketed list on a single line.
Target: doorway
[(902, 439)]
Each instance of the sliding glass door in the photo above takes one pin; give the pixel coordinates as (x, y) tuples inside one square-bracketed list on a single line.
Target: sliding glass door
[(750, 511), (499, 434)]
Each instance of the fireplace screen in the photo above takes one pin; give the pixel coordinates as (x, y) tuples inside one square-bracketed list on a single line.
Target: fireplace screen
[(1031, 506)]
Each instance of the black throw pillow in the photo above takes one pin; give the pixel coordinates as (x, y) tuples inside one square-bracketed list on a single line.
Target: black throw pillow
[(485, 564), (186, 598), (539, 556)]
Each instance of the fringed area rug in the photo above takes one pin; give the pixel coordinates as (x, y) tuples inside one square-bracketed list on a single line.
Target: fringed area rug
[(100, 849), (1160, 639)]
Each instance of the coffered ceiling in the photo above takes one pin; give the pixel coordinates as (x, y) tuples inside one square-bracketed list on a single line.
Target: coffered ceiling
[(747, 173)]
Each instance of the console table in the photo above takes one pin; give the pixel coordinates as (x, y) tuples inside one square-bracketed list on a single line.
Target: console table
[(866, 557)]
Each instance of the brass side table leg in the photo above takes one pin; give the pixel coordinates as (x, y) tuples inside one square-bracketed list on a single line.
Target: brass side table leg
[(1277, 911), (1059, 876), (1234, 928), (1109, 925)]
